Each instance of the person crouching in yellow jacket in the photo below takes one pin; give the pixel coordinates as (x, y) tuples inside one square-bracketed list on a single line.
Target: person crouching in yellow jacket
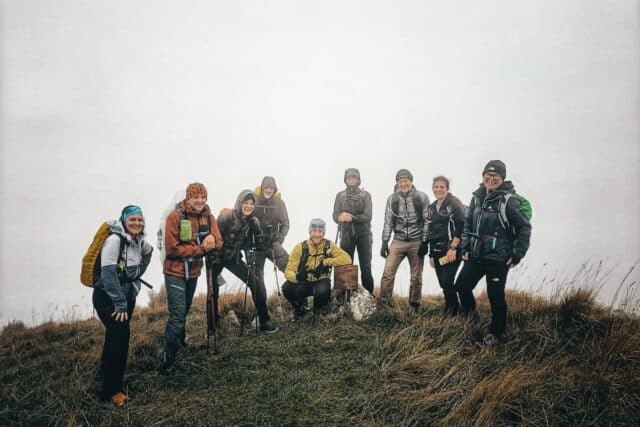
[(308, 271)]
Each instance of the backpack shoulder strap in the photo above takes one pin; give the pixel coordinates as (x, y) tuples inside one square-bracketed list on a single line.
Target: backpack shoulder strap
[(503, 209), (327, 247), (302, 266)]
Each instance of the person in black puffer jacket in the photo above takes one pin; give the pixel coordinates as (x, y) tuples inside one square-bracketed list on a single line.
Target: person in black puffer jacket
[(352, 212), (446, 223), (489, 248)]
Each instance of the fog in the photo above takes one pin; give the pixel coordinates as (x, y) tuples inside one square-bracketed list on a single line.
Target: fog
[(103, 104)]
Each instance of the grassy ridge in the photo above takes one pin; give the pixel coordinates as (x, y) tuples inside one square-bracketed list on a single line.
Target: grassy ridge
[(566, 362)]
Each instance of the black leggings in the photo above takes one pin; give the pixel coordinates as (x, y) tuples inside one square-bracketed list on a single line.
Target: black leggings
[(113, 361), (446, 275), (363, 242), (496, 273)]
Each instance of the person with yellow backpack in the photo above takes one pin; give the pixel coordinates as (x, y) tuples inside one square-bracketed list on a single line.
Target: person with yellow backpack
[(274, 223), (124, 257)]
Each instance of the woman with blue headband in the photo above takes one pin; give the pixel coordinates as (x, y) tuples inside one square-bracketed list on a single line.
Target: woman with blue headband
[(124, 258)]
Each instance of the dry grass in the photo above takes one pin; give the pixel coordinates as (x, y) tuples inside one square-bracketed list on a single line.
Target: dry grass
[(567, 361)]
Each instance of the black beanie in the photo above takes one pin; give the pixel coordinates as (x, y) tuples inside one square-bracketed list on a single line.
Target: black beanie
[(496, 166), (404, 173), (351, 172)]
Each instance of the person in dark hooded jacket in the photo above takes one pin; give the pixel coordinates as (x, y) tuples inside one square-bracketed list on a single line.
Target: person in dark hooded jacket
[(241, 232), (191, 231), (274, 223), (489, 248), (352, 212)]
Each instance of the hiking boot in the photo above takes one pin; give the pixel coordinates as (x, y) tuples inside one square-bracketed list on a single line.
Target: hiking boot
[(268, 327), (168, 359), (298, 315), (415, 307), (490, 340), (119, 399)]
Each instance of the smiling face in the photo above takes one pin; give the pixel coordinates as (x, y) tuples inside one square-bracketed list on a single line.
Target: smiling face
[(316, 234), (134, 224), (248, 207), (404, 184), (352, 181), (267, 192), (491, 180), (196, 202), (440, 190)]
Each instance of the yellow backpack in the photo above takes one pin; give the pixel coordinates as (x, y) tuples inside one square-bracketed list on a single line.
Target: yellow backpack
[(90, 272)]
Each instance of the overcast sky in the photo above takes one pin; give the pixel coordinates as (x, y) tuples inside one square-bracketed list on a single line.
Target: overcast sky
[(106, 103)]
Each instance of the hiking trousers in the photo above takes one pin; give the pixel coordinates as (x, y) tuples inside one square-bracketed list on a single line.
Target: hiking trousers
[(278, 256), (363, 243), (113, 361), (296, 293), (258, 291), (399, 250), (446, 275), (496, 277), (179, 298)]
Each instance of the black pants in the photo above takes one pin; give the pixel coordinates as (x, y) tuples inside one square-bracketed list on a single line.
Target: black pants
[(349, 242), (496, 277), (295, 293), (258, 291), (116, 344), (278, 256), (446, 275)]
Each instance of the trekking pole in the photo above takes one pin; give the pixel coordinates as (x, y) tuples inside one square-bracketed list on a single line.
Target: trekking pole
[(244, 303), (145, 283), (211, 306), (275, 271)]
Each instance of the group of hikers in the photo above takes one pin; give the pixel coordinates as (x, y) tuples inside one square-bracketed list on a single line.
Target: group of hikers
[(491, 235)]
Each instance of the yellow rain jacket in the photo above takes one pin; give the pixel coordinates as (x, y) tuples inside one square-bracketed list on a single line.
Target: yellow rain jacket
[(335, 257)]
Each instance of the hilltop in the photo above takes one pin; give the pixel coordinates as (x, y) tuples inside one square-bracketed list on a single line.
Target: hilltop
[(567, 361)]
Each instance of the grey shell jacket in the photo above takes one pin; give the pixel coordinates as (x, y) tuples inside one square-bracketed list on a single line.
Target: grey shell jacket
[(119, 284), (406, 223), (357, 202), (272, 213)]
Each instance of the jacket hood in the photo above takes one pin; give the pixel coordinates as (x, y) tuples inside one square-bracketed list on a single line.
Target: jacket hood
[(116, 227), (351, 172), (244, 194), (268, 181)]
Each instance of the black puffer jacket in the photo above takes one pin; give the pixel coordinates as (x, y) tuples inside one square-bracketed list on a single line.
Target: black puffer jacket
[(485, 237), (238, 232), (445, 224), (272, 212), (357, 202)]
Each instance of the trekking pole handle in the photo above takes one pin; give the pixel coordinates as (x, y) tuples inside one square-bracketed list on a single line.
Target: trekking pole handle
[(145, 283)]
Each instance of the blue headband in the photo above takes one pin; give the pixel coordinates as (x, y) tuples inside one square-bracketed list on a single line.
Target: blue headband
[(130, 210)]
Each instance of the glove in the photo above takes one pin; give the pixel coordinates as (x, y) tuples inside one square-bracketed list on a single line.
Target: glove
[(229, 255), (515, 260), (254, 225), (320, 270), (262, 243), (423, 249), (384, 251), (301, 277)]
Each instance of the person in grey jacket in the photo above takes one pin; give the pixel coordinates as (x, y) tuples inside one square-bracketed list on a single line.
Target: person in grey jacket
[(274, 223), (406, 215), (124, 258), (352, 212), (490, 248)]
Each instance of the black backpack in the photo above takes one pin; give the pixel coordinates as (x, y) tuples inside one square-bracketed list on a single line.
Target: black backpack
[(302, 267)]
